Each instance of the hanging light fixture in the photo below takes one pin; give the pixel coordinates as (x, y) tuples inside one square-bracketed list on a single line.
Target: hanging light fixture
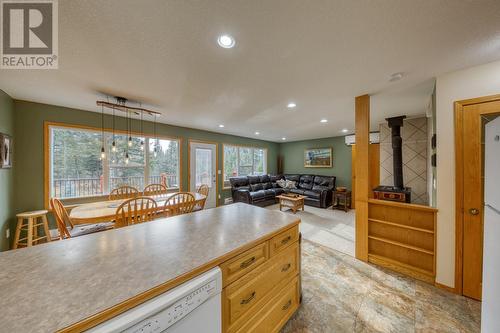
[(103, 151), (129, 129), (155, 150), (113, 144), (142, 129)]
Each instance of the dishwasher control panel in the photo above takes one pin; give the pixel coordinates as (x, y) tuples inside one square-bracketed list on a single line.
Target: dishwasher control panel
[(175, 312)]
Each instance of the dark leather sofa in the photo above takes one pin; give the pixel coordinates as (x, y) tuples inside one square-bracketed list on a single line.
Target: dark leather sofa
[(262, 190)]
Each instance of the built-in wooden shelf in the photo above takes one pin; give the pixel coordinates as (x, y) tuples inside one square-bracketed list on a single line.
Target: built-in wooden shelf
[(398, 225), (402, 237), (406, 246)]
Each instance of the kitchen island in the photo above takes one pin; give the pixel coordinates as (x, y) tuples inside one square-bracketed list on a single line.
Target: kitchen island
[(74, 284)]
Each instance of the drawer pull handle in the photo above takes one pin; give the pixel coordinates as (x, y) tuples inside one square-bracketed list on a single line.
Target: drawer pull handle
[(247, 263), (287, 305), (286, 267), (286, 240), (248, 300)]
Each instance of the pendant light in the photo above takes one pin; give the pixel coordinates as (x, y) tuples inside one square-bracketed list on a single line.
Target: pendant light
[(130, 129), (142, 129), (103, 151), (130, 138), (113, 145), (155, 150)]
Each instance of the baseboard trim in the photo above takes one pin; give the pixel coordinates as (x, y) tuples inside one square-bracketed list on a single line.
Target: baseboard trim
[(449, 289)]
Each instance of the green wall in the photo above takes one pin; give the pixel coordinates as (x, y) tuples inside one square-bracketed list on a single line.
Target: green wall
[(29, 125), (293, 155), (6, 175)]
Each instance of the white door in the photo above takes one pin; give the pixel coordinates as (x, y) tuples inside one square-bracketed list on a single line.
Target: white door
[(490, 321), (203, 169)]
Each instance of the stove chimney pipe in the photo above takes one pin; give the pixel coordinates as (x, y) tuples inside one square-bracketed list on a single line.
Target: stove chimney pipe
[(395, 124)]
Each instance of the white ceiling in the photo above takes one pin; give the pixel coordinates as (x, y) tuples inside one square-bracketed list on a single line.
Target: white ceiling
[(319, 54)]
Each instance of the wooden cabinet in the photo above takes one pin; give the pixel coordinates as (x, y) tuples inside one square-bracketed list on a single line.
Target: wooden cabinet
[(252, 296)]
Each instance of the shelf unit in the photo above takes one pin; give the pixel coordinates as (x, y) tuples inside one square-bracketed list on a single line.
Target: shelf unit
[(402, 237)]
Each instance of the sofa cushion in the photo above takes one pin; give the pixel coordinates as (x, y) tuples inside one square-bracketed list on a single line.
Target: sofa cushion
[(253, 179), (306, 182), (256, 187), (312, 194), (275, 178), (238, 182), (269, 193), (265, 179), (278, 191), (294, 178), (257, 195), (324, 182), (267, 186), (297, 191)]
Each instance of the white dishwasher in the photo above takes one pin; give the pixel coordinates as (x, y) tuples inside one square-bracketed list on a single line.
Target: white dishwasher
[(194, 306)]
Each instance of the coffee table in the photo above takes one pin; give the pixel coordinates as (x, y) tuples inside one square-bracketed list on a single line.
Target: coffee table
[(294, 203)]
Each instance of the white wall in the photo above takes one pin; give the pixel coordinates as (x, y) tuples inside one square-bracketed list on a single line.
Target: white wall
[(472, 82)]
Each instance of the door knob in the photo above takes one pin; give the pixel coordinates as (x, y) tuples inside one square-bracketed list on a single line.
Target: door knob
[(473, 211)]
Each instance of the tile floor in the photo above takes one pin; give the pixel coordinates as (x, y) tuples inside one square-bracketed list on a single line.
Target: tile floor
[(331, 228), (342, 294)]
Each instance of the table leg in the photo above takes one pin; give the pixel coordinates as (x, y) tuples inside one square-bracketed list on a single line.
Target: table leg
[(29, 240)]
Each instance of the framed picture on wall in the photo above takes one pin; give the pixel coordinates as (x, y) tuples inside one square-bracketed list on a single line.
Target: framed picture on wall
[(5, 151), (318, 158)]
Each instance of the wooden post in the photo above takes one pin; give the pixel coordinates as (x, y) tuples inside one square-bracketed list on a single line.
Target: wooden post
[(362, 107)]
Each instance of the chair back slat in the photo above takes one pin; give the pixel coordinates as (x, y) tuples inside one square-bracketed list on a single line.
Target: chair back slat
[(179, 203), (154, 189), (62, 218), (204, 190), (123, 192), (136, 210)]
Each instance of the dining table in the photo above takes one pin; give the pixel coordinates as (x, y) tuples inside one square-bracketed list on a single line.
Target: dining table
[(105, 211)]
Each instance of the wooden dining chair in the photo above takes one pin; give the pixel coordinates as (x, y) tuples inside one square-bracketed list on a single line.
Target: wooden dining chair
[(136, 210), (204, 190), (179, 203), (154, 189), (66, 228), (123, 192)]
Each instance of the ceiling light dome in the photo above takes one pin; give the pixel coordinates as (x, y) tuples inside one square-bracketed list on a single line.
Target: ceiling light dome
[(226, 41)]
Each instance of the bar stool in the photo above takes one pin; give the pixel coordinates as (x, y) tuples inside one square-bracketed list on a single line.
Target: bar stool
[(29, 222)]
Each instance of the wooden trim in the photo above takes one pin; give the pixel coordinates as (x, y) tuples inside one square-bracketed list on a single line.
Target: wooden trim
[(402, 205), (403, 268), (398, 225), (448, 289), (362, 111), (459, 107), (217, 193), (109, 313), (46, 150), (406, 246)]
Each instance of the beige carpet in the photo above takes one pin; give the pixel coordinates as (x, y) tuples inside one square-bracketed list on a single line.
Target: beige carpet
[(331, 228)]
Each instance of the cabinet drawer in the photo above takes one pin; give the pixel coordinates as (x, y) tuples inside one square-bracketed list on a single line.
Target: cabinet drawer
[(236, 267), (273, 316), (253, 291), (283, 240)]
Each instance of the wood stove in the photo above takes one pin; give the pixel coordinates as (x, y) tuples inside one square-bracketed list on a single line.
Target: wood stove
[(398, 192)]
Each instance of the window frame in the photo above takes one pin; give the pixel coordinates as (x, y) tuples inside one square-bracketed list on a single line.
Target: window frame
[(266, 162), (47, 146)]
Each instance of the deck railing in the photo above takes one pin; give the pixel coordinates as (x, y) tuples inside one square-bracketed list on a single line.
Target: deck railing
[(86, 187)]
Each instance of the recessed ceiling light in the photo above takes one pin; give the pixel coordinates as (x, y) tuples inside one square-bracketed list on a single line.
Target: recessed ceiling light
[(283, 138), (221, 126), (291, 105), (257, 133), (226, 41), (323, 121), (345, 130), (396, 76)]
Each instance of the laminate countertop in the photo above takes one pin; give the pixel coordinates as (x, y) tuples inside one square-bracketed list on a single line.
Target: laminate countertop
[(52, 286)]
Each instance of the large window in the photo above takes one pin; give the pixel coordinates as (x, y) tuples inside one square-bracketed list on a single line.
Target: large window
[(243, 161), (76, 168)]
